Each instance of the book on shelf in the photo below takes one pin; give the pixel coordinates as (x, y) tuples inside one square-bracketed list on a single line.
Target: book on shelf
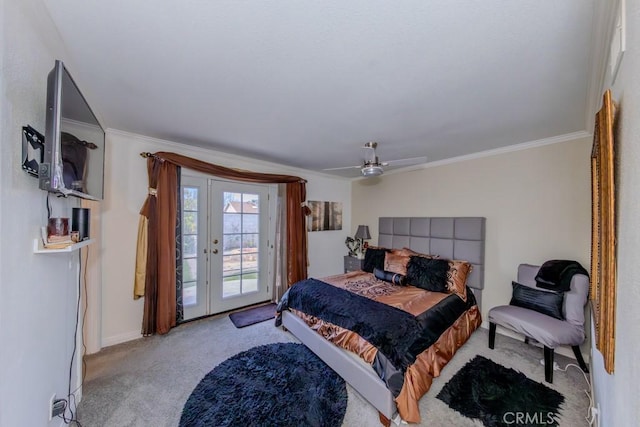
[(55, 242)]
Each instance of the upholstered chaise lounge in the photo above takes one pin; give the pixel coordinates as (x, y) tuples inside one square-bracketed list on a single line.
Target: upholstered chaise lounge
[(549, 331)]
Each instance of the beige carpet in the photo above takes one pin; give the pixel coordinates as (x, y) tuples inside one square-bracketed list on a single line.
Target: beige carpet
[(147, 381)]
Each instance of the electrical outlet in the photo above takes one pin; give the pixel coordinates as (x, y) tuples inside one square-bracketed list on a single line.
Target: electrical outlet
[(56, 407), (50, 407)]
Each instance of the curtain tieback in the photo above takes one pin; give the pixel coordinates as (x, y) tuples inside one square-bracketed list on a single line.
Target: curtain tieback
[(153, 191)]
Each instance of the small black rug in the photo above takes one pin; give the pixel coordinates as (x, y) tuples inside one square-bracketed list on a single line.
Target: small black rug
[(253, 315), (500, 396), (281, 384)]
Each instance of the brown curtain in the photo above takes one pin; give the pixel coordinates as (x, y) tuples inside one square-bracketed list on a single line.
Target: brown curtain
[(296, 232), (160, 210)]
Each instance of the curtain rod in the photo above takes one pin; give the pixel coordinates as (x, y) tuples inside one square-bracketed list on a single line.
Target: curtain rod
[(146, 154)]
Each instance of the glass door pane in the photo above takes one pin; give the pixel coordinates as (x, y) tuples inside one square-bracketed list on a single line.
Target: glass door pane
[(189, 245), (194, 290), (240, 253), (244, 228)]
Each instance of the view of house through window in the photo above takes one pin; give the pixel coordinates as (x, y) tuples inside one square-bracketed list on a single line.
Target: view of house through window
[(240, 243), (225, 232)]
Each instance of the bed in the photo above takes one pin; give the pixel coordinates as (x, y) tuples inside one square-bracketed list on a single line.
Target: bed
[(450, 238)]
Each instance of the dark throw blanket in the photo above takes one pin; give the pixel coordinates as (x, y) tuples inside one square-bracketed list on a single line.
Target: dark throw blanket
[(399, 336), (556, 274)]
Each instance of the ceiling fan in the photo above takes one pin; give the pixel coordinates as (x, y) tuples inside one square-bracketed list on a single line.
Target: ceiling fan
[(372, 166)]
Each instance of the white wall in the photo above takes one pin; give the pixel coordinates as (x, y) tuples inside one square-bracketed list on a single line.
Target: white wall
[(37, 292), (617, 394), (536, 201), (326, 248), (125, 190)]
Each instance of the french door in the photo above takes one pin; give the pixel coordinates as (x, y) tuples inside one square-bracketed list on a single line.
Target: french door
[(226, 235)]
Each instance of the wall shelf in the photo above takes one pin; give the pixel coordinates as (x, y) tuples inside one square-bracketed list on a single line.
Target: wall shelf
[(38, 247)]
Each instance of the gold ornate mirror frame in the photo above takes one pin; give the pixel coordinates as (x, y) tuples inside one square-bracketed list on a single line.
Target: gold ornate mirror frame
[(603, 232)]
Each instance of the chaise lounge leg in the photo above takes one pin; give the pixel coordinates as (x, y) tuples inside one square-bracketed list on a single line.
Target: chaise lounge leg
[(548, 364), (386, 422), (492, 335), (578, 354)]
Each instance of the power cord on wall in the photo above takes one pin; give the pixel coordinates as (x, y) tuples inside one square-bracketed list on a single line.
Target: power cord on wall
[(48, 207), (70, 402), (84, 315)]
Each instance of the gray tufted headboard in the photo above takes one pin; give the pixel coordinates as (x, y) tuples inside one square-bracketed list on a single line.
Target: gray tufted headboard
[(459, 238)]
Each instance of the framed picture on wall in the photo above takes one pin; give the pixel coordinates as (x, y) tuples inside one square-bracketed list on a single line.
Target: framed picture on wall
[(324, 216), (603, 233)]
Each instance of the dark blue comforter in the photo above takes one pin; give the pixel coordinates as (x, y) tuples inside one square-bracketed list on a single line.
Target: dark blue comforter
[(399, 336)]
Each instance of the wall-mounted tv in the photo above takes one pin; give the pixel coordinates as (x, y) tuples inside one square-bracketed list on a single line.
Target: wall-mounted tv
[(74, 141)]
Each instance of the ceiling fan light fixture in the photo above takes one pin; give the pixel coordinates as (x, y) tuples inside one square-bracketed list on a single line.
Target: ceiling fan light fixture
[(371, 164), (372, 170)]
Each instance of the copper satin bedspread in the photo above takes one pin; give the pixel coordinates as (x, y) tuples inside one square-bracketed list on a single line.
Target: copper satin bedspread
[(429, 363)]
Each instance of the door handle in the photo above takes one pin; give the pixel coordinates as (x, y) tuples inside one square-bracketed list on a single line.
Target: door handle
[(215, 251), (215, 241)]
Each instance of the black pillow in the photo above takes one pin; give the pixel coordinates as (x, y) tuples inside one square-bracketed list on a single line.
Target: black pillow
[(374, 258), (390, 276), (549, 303), (428, 273)]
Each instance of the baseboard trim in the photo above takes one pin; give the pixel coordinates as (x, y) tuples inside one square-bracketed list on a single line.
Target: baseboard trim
[(120, 338)]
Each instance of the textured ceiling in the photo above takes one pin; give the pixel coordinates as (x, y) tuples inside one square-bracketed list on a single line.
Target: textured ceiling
[(307, 83)]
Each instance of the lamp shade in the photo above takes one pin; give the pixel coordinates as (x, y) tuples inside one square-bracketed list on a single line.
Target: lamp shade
[(363, 232)]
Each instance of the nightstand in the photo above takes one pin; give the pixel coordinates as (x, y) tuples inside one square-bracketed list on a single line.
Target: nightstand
[(352, 263)]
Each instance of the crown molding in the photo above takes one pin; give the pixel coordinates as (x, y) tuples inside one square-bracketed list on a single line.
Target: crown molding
[(271, 167), (604, 15), (495, 152)]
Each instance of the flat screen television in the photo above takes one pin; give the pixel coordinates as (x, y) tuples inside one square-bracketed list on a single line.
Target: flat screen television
[(74, 141)]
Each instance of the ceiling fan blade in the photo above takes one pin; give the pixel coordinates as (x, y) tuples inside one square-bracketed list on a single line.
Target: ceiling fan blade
[(343, 167), (372, 166), (408, 161)]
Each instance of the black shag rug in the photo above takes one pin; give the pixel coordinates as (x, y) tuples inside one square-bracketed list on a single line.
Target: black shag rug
[(281, 384), (500, 396)]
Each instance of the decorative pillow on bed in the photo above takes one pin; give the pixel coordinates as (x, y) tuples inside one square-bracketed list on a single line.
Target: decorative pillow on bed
[(374, 258), (396, 263), (390, 276), (457, 277), (428, 273), (549, 303)]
